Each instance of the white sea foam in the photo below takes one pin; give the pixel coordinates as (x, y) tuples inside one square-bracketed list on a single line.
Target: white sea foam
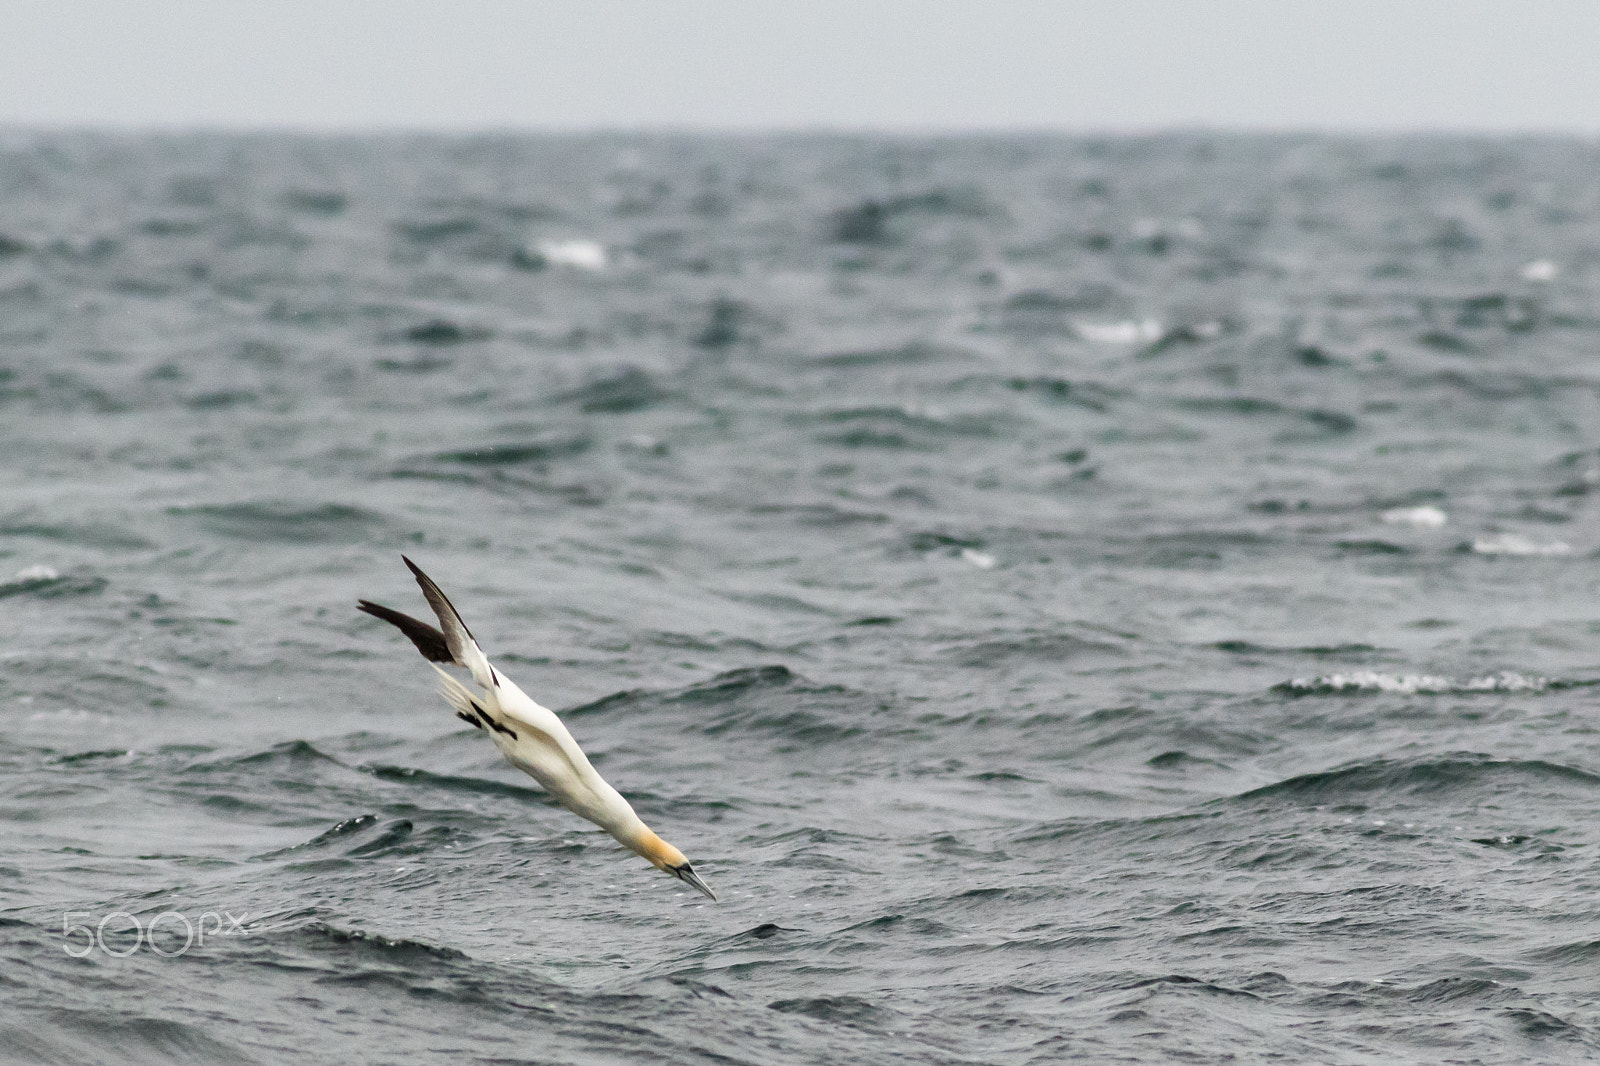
[(1411, 684), (1517, 544), (1144, 331), (578, 254), (68, 714), (1540, 270), (1421, 517), (37, 573)]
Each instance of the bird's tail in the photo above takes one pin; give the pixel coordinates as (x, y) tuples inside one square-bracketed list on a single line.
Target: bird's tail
[(458, 696)]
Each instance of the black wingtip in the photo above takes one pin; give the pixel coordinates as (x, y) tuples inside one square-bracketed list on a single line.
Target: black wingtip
[(429, 641), (436, 597)]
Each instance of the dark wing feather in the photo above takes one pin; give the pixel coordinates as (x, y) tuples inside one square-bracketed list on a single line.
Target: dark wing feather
[(429, 641), (456, 636)]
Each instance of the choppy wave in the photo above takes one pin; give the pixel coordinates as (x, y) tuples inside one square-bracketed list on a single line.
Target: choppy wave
[(1394, 778), (280, 520)]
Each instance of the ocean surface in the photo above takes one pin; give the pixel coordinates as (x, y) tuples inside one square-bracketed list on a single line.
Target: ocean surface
[(1075, 599)]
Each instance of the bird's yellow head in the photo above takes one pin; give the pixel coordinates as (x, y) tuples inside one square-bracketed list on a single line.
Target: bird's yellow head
[(665, 857)]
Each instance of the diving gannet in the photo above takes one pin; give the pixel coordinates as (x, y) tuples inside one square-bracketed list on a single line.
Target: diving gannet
[(531, 737)]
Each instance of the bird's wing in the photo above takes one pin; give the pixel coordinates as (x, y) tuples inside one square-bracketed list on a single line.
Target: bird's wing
[(464, 651), (429, 641)]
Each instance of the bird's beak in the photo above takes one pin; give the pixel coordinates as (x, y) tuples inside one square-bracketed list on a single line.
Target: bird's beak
[(685, 872)]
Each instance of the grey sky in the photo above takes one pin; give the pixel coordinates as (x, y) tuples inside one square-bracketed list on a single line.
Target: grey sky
[(885, 64)]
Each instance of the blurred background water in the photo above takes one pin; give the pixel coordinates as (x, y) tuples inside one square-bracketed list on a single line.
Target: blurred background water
[(1115, 599)]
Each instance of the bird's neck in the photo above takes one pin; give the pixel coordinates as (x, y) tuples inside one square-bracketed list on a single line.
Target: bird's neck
[(641, 839)]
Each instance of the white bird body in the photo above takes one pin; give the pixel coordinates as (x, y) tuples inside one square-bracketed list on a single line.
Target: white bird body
[(542, 748), (530, 736)]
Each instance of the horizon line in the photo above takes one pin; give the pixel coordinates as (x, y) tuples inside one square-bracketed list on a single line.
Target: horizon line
[(10, 127)]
